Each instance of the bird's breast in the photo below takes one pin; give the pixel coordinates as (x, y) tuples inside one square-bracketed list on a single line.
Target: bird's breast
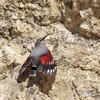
[(39, 51)]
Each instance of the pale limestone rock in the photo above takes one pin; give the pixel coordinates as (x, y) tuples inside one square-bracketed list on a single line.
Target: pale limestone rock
[(73, 60), (78, 59), (23, 27), (9, 59), (14, 16), (90, 27), (34, 6), (87, 89), (21, 5), (48, 14), (86, 13), (2, 2), (79, 17)]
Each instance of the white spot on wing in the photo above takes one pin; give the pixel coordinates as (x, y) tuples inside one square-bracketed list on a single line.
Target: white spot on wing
[(48, 71), (53, 70)]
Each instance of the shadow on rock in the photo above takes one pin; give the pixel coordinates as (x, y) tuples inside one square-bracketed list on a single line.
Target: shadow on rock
[(43, 82)]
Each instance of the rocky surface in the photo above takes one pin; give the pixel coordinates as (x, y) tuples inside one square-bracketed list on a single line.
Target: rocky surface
[(82, 16), (78, 58)]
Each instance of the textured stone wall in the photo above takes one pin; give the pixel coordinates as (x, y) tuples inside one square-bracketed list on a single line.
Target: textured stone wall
[(22, 22), (78, 16)]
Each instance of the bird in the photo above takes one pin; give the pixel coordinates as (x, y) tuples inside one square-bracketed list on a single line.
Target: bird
[(39, 59)]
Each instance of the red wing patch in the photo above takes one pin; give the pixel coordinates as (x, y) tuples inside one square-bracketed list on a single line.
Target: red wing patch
[(47, 58), (47, 66)]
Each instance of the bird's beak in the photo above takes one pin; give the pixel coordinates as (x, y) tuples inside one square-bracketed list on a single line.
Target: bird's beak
[(44, 37)]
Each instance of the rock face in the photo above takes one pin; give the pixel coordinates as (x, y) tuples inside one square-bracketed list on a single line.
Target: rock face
[(82, 16), (78, 58)]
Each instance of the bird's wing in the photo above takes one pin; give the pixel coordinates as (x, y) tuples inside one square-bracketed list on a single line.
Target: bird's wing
[(27, 65), (47, 65)]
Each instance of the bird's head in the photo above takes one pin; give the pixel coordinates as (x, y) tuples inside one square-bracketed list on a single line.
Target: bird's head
[(40, 41)]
